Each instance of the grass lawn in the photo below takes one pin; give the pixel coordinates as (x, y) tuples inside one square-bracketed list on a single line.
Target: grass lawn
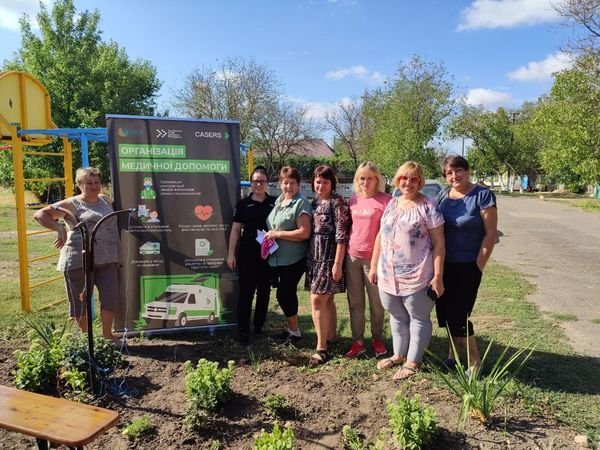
[(556, 381)]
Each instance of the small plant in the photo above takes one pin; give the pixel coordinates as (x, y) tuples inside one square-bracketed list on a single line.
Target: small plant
[(138, 428), (255, 360), (480, 394), (207, 387), (276, 440), (37, 368), (278, 406), (353, 440), (412, 423)]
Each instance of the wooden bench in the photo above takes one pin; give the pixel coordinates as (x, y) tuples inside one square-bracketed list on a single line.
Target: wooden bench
[(53, 419)]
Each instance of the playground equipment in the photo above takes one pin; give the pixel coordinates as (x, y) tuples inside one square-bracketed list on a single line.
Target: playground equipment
[(25, 121)]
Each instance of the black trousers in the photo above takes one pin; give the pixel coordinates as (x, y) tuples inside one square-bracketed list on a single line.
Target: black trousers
[(286, 281), (255, 277)]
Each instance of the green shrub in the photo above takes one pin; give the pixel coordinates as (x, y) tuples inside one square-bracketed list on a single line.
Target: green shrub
[(278, 406), (412, 423), (276, 440), (37, 368), (207, 387), (58, 362), (138, 428)]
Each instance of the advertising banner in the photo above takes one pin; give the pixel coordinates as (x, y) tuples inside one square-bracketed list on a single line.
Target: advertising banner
[(182, 178)]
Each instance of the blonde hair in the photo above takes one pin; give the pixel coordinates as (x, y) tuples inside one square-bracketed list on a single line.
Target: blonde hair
[(84, 172), (371, 167), (409, 168)]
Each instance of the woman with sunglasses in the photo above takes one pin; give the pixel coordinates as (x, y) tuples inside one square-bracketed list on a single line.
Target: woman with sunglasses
[(250, 216), (408, 259), (471, 219)]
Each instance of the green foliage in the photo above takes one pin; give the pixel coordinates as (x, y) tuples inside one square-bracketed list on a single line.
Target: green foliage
[(278, 406), (57, 358), (76, 356), (569, 121), (408, 115), (207, 387), (138, 428), (276, 440), (503, 141), (480, 394), (413, 424), (85, 77), (352, 438)]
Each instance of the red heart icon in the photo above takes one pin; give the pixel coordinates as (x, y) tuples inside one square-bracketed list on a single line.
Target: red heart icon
[(203, 212)]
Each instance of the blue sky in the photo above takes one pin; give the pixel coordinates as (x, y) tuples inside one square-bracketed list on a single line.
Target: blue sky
[(500, 52)]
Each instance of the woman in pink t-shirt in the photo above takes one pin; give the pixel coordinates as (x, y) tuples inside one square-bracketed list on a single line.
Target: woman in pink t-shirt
[(366, 207), (408, 260)]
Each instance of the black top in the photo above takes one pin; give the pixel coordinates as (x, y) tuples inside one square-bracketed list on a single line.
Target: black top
[(253, 217)]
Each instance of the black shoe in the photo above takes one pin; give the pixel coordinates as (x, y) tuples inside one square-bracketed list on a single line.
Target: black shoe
[(450, 364), (292, 340)]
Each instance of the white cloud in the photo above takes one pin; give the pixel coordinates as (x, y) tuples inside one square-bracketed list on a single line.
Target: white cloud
[(318, 110), (12, 10), (506, 14), (360, 72), (540, 71), (488, 98)]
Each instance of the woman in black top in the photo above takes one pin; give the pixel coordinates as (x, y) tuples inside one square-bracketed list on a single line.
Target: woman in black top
[(249, 217)]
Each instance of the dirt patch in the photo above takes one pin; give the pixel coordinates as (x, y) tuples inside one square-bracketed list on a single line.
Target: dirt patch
[(151, 382)]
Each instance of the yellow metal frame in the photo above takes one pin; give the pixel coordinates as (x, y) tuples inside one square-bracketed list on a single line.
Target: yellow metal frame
[(29, 108)]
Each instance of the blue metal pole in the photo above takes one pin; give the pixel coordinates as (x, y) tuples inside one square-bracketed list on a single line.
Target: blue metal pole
[(85, 161)]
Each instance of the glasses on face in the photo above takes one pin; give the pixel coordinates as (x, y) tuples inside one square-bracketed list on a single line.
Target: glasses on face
[(457, 171), (258, 182), (403, 178)]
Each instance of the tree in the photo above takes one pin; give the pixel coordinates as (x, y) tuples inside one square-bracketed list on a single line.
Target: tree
[(503, 141), (281, 132), (239, 89), (409, 114), (85, 77), (569, 122), (581, 15), (351, 129)]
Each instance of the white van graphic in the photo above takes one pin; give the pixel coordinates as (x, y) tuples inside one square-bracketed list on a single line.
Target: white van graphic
[(184, 303), (150, 248)]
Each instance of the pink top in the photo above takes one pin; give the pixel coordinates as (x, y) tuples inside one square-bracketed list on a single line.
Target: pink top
[(405, 261), (366, 214)]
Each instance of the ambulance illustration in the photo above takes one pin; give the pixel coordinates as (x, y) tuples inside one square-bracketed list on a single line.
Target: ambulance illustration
[(185, 303)]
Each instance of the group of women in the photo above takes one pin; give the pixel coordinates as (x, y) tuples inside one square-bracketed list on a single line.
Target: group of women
[(409, 253)]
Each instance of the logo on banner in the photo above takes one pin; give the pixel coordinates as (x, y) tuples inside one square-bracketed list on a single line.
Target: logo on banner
[(203, 212), (170, 134), (125, 132), (211, 135), (203, 247)]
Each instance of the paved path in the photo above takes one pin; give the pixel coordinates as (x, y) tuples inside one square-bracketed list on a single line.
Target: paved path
[(559, 246)]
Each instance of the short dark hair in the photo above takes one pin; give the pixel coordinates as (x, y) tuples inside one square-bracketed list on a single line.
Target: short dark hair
[(455, 162), (324, 172), (260, 169), (289, 172)]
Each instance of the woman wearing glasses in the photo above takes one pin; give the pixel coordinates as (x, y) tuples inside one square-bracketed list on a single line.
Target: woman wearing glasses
[(250, 216), (408, 259), (471, 221)]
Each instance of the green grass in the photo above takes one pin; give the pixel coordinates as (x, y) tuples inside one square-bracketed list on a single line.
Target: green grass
[(556, 381), (596, 321), (564, 317), (588, 204)]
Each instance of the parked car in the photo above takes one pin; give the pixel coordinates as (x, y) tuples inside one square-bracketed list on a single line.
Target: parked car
[(431, 188)]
